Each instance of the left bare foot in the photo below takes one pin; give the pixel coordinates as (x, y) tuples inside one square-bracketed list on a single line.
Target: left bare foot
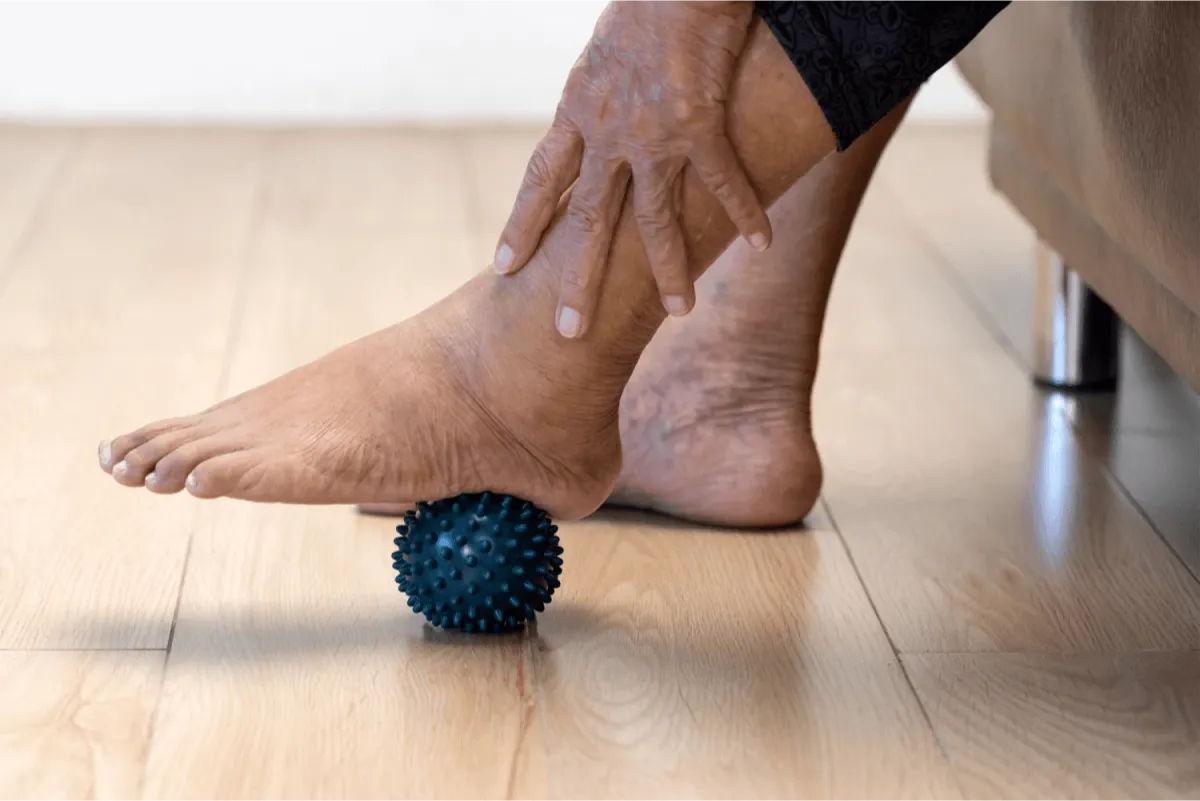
[(413, 411)]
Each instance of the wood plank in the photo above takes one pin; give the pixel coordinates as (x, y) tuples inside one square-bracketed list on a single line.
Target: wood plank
[(495, 160), (73, 724), (297, 669), (30, 161), (1079, 726), (1162, 474), (890, 294), (684, 662), (117, 312), (980, 524), (938, 176)]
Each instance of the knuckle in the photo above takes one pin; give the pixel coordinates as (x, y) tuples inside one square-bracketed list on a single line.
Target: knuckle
[(720, 181), (574, 281), (671, 277), (139, 459), (587, 219), (654, 223), (687, 114), (170, 466), (539, 176)]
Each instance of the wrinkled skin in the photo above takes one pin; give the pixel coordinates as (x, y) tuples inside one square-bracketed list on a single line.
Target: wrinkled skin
[(645, 99)]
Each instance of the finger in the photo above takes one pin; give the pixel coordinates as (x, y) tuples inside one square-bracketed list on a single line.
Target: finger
[(719, 169), (551, 169), (657, 215), (592, 214)]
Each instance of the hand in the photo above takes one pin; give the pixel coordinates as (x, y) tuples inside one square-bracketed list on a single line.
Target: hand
[(646, 98)]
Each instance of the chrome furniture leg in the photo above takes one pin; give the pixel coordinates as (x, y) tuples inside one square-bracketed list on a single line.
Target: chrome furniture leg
[(1077, 334)]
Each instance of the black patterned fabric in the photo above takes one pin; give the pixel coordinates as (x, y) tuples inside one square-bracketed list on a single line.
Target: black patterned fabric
[(861, 59)]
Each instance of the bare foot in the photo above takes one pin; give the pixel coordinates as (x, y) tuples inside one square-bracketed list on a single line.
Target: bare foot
[(716, 421), (412, 411), (723, 437)]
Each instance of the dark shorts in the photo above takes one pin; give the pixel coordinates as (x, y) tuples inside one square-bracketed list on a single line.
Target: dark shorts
[(861, 59)]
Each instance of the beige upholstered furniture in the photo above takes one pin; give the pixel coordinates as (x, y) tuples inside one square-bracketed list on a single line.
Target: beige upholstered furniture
[(1096, 142)]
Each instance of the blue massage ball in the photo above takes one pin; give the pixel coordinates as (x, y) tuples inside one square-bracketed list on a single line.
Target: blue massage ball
[(478, 562)]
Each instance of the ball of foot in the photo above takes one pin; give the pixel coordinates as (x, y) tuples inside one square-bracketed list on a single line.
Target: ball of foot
[(478, 562)]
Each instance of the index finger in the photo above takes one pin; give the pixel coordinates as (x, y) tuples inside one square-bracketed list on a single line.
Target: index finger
[(552, 168)]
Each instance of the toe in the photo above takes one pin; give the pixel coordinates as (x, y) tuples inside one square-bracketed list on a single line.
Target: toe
[(113, 452), (136, 465), (223, 476), (172, 470)]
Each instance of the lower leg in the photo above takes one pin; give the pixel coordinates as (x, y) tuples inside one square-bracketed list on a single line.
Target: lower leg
[(478, 392)]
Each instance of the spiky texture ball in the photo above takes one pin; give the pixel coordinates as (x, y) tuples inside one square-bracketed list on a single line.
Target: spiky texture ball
[(479, 562)]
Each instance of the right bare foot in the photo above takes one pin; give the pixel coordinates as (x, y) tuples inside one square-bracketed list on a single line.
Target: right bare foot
[(716, 420), (716, 426)]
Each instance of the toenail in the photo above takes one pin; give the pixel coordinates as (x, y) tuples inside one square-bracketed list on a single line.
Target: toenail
[(192, 482), (758, 241), (569, 322), (106, 453), (504, 259), (676, 305), (151, 477), (120, 467)]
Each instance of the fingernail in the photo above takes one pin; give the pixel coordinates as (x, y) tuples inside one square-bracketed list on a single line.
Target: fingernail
[(569, 322), (758, 241), (503, 261), (120, 467), (676, 305), (106, 453)]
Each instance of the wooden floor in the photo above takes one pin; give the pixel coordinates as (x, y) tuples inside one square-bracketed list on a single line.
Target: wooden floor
[(997, 597)]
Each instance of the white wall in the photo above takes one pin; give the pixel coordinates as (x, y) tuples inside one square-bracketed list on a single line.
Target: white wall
[(318, 61)]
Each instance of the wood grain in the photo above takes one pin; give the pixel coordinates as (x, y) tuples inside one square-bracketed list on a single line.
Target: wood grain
[(495, 163), (684, 662), (891, 296), (979, 523), (937, 178), (74, 724), (1079, 726), (117, 312), (298, 672)]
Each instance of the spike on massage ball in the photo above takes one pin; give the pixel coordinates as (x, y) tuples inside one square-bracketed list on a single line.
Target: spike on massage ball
[(485, 555)]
